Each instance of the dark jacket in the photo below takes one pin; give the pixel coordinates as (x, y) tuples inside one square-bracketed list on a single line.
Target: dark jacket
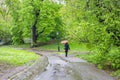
[(66, 47)]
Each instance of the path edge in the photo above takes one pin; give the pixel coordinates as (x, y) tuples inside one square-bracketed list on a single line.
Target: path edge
[(36, 68)]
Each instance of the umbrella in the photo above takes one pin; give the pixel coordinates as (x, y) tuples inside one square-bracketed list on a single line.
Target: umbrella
[(64, 41)]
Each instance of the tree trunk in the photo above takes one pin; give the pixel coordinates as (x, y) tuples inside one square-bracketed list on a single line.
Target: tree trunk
[(34, 38), (34, 30)]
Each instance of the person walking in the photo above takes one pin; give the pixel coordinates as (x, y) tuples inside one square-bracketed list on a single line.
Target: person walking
[(66, 48)]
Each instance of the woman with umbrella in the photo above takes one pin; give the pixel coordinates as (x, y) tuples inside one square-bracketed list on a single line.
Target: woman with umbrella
[(66, 47)]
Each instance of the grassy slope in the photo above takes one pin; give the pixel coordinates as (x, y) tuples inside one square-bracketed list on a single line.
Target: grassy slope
[(15, 56)]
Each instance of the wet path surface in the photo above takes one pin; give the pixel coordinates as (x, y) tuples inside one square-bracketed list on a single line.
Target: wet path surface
[(57, 70), (87, 71), (70, 68)]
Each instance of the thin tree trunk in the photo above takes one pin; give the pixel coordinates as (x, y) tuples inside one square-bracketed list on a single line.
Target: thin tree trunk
[(34, 38)]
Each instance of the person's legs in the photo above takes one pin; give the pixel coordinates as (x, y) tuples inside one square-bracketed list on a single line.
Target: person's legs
[(66, 52)]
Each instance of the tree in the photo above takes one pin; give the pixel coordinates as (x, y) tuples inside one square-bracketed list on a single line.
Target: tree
[(108, 15), (35, 19), (16, 29), (97, 22), (74, 17), (43, 15), (5, 22)]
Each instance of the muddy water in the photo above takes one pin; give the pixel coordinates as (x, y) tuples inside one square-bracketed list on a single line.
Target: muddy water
[(58, 69)]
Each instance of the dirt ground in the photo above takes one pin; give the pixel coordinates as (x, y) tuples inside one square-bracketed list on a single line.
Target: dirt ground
[(7, 70)]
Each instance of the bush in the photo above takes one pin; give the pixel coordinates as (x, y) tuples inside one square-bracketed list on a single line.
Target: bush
[(114, 59), (5, 37)]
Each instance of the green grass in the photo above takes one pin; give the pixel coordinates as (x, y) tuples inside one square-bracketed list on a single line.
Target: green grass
[(88, 57), (53, 47), (78, 47), (21, 46), (16, 57), (73, 47)]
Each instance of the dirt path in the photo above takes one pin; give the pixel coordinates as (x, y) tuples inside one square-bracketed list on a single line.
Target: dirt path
[(56, 70), (70, 68)]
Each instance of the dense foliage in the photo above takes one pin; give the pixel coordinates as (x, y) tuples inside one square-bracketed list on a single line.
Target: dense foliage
[(107, 31), (96, 22), (35, 19), (5, 21)]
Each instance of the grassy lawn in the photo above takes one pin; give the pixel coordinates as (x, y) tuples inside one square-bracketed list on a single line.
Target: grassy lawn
[(73, 47), (16, 57), (52, 47), (25, 46)]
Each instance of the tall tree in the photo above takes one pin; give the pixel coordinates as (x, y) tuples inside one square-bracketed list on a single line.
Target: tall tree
[(16, 29), (43, 15), (34, 18)]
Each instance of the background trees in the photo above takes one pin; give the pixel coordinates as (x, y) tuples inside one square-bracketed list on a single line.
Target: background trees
[(96, 22), (35, 19), (5, 21)]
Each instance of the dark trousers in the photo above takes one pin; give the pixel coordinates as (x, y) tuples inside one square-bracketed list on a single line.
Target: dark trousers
[(66, 53)]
